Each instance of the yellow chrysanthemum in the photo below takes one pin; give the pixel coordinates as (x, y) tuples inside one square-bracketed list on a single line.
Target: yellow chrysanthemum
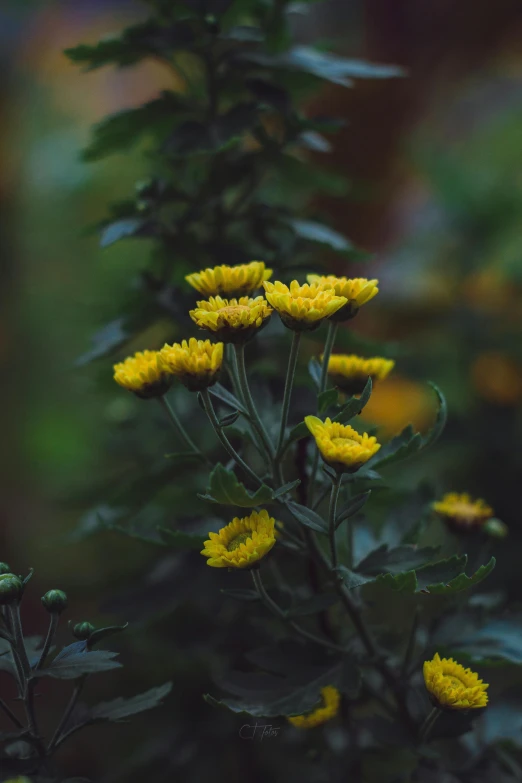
[(452, 686), (350, 373), (303, 307), (331, 699), (242, 542), (230, 280), (144, 374), (232, 320), (461, 511), (340, 445), (357, 291), (196, 363)]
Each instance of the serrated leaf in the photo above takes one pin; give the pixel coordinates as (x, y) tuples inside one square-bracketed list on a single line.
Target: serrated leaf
[(326, 399), (462, 581), (442, 578), (225, 488), (180, 539), (75, 665), (396, 560), (120, 708), (352, 507), (405, 582), (355, 405), (351, 580), (307, 517)]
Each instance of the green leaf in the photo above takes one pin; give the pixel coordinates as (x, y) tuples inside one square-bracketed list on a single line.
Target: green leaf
[(326, 399), (105, 341), (498, 640), (221, 393), (355, 405), (69, 667), (307, 517), (180, 539), (297, 433), (443, 578), (285, 489), (462, 581), (230, 419), (352, 507), (103, 633), (440, 420), (317, 232), (396, 560), (226, 489), (351, 580), (313, 605), (191, 137), (401, 583), (120, 708)]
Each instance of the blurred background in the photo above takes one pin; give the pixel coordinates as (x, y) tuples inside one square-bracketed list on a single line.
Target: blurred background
[(435, 166)]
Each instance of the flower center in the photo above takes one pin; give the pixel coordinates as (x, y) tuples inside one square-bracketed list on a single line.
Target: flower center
[(234, 309), (238, 540), (452, 680), (344, 442)]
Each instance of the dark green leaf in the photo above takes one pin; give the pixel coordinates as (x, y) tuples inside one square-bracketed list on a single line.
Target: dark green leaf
[(397, 560), (314, 605), (326, 399), (297, 433), (225, 488), (180, 539), (121, 229), (105, 340), (219, 391), (103, 633), (440, 421), (307, 517), (285, 489), (403, 445), (443, 578), (355, 405), (120, 708), (72, 666), (460, 582), (352, 507), (317, 232), (230, 419), (351, 580)]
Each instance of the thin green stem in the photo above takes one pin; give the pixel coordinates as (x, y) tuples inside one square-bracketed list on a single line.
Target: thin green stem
[(255, 419), (275, 609), (178, 426), (58, 734), (328, 348), (51, 631), (232, 371), (332, 514), (211, 413), (5, 707), (428, 724), (18, 637), (289, 383)]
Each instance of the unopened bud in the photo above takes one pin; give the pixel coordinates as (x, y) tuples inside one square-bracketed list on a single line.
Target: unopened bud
[(496, 528), (55, 601), (11, 588), (4, 568), (83, 631)]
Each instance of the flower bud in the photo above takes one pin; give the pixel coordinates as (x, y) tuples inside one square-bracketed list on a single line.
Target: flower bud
[(11, 588), (4, 568), (55, 601), (496, 528), (83, 631)]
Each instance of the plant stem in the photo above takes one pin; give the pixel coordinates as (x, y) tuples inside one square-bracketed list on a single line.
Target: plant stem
[(53, 625), (255, 420), (5, 707), (328, 347), (57, 736), (178, 426), (334, 496), (410, 647), (289, 382), (428, 724), (18, 637), (211, 413), (232, 371), (275, 609)]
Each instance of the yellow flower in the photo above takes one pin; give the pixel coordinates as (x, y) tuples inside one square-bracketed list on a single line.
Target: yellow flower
[(232, 320), (331, 699), (303, 307), (144, 374), (452, 686), (357, 290), (351, 373), (196, 363), (230, 280), (242, 542), (462, 512), (340, 445)]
